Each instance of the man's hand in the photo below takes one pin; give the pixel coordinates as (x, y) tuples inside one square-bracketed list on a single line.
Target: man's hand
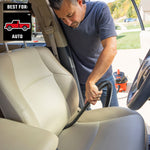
[(92, 93), (102, 65)]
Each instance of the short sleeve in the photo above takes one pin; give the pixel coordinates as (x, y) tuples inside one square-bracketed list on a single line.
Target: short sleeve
[(104, 22)]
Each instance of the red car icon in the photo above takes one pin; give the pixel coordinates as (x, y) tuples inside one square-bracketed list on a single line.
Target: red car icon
[(15, 24)]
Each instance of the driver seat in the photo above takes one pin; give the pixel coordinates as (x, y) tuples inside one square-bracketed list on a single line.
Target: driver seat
[(36, 90)]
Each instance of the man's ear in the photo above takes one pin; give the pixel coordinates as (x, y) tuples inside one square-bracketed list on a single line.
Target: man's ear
[(80, 2)]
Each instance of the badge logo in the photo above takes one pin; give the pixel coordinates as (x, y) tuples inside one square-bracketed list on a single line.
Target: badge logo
[(17, 24)]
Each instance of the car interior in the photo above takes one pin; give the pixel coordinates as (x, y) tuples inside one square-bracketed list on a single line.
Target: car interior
[(40, 96)]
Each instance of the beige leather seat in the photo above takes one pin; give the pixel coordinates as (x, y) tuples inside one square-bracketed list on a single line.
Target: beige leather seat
[(36, 90)]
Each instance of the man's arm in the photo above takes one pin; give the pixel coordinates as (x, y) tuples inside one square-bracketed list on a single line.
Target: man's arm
[(104, 61)]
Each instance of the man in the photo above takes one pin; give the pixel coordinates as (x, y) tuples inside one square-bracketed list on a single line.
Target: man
[(90, 31)]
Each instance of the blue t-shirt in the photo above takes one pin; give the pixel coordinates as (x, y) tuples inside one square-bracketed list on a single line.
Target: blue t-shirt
[(85, 41)]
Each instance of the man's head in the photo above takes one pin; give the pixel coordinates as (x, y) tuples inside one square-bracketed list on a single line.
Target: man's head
[(71, 12)]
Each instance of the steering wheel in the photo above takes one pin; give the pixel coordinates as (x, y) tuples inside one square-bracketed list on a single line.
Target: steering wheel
[(107, 103), (139, 92)]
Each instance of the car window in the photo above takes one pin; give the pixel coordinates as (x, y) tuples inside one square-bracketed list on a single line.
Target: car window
[(14, 22), (37, 35)]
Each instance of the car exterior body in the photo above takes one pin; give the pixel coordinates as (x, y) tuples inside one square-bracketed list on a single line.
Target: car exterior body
[(129, 19)]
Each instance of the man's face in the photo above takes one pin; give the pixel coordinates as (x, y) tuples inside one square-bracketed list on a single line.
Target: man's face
[(71, 14)]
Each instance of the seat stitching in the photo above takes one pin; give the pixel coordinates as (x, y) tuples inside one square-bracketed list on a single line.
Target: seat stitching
[(35, 81), (13, 71), (95, 134), (48, 67)]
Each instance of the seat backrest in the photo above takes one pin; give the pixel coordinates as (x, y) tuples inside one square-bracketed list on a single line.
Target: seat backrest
[(36, 89)]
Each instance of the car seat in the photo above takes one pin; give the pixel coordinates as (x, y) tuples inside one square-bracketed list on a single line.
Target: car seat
[(37, 91)]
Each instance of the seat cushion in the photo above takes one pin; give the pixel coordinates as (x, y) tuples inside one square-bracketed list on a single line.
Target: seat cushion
[(105, 114), (36, 89), (116, 133)]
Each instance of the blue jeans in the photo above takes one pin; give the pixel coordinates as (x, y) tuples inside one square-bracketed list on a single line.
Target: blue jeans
[(114, 100)]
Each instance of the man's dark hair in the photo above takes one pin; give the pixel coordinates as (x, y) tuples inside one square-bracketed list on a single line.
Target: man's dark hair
[(56, 4)]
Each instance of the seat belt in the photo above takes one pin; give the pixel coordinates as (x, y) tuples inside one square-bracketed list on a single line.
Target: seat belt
[(50, 32), (47, 27)]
